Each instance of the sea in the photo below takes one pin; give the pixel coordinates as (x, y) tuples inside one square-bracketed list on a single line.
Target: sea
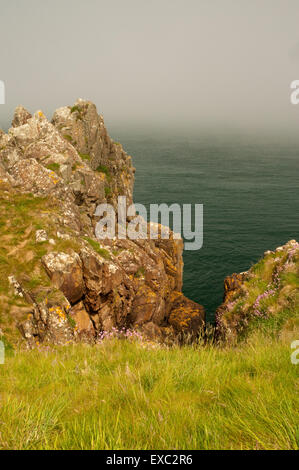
[(248, 186)]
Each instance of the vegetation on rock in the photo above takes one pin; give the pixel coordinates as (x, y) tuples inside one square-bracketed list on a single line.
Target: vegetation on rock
[(268, 294)]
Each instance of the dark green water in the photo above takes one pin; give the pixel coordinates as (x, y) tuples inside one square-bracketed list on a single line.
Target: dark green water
[(250, 192)]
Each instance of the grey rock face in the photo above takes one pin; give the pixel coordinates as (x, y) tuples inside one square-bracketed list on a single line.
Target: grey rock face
[(69, 166), (21, 116)]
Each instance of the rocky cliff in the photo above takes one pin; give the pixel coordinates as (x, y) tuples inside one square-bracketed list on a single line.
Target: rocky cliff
[(58, 282), (267, 294)]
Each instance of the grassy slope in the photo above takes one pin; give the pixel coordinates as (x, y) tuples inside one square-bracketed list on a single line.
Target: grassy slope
[(122, 395), (21, 215)]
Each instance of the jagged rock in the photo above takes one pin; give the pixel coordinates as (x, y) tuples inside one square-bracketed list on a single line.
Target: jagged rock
[(186, 317), (28, 331), (48, 322), (249, 296), (73, 165), (6, 180), (82, 126), (152, 332), (83, 323), (18, 291), (232, 284), (63, 236), (109, 291), (21, 116), (29, 175), (65, 271), (148, 306), (41, 236)]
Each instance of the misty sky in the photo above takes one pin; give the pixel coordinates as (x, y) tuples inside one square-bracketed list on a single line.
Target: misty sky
[(171, 63)]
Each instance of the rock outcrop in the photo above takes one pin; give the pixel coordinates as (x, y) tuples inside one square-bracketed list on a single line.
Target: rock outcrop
[(58, 282), (270, 289)]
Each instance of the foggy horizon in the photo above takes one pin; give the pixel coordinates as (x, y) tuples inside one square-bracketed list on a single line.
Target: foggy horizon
[(182, 67)]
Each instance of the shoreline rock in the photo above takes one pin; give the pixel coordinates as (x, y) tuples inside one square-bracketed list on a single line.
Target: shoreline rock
[(265, 291), (76, 287)]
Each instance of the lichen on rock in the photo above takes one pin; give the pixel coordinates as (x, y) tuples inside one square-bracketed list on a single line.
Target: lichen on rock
[(52, 177)]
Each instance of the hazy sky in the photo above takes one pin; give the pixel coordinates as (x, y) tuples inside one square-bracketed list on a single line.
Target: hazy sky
[(180, 63)]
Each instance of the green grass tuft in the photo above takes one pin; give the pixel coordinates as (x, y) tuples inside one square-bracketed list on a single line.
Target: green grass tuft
[(97, 247), (104, 169), (54, 167), (74, 109), (85, 156), (71, 321), (108, 191), (140, 272)]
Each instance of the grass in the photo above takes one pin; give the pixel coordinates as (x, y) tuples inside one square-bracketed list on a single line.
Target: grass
[(108, 191), (85, 156), (123, 395), (54, 167), (79, 112), (134, 395), (20, 217), (20, 255), (104, 169), (74, 109), (71, 321), (97, 247), (140, 272), (76, 166)]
